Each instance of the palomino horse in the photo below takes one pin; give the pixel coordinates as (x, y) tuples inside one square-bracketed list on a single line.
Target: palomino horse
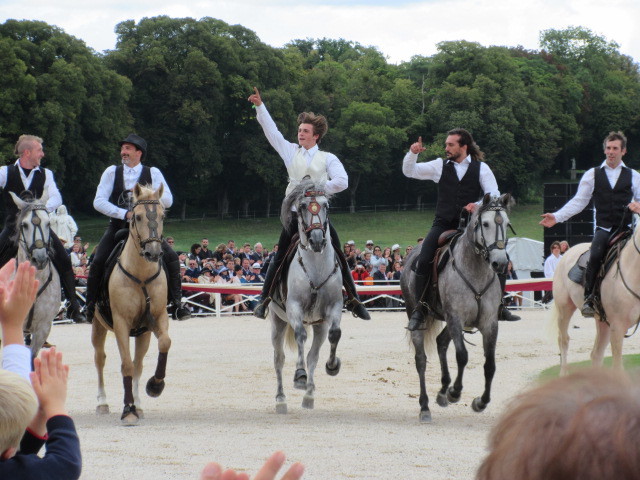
[(470, 293), (619, 297), (33, 239), (313, 293), (138, 300)]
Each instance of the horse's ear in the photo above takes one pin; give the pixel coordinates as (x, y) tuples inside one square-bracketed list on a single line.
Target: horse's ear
[(16, 199), (137, 190), (507, 200), (160, 191), (486, 199)]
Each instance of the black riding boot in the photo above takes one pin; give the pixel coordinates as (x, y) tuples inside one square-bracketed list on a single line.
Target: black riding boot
[(174, 289), (69, 286), (260, 309), (503, 312), (417, 316), (353, 303), (588, 309)]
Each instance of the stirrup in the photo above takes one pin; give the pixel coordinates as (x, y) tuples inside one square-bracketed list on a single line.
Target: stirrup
[(261, 309)]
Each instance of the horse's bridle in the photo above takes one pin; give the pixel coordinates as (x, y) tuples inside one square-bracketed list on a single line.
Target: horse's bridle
[(37, 228), (500, 240), (314, 208), (152, 223)]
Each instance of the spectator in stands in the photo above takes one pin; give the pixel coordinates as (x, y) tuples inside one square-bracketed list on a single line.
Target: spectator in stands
[(366, 261), (377, 259), (380, 278), (386, 254), (237, 297), (76, 255), (255, 276), (83, 248), (550, 267), (258, 253), (193, 271), (396, 272), (64, 226), (408, 250), (246, 267), (220, 252), (564, 246), (171, 242), (359, 274), (368, 247), (194, 252), (247, 253), (231, 247), (204, 253), (396, 250)]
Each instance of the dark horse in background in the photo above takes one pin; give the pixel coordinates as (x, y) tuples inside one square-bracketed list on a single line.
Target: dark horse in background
[(470, 294)]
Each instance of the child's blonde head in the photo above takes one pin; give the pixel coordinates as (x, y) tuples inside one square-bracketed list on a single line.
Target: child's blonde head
[(18, 406)]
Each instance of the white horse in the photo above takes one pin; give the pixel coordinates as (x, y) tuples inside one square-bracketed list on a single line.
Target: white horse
[(313, 293), (619, 296), (33, 238)]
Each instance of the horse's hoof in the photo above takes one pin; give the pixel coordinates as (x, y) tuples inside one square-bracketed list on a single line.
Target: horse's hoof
[(281, 408), (441, 400), (425, 416), (333, 371), (140, 413), (478, 405), (129, 416), (451, 396), (300, 379), (307, 402), (102, 410), (154, 388)]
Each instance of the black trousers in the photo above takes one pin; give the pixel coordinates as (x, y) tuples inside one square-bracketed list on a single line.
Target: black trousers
[(430, 244), (104, 249), (599, 246)]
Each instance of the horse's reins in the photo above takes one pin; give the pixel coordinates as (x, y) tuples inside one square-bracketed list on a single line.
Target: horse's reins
[(143, 286), (626, 285)]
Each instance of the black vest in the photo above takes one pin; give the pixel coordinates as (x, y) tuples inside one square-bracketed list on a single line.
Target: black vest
[(119, 196), (15, 185), (610, 202), (453, 194)]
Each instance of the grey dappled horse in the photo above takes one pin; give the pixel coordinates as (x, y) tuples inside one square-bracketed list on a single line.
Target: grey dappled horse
[(33, 238), (470, 292), (313, 293)]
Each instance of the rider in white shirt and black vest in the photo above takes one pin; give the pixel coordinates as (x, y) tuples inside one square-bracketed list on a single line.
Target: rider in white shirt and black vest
[(615, 190), (462, 179), (305, 160), (28, 180), (113, 199)]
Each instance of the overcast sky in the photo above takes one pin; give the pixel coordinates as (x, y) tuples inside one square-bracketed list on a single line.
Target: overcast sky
[(399, 28)]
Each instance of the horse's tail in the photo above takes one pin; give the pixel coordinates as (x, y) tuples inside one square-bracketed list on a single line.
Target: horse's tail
[(433, 328), (290, 337)]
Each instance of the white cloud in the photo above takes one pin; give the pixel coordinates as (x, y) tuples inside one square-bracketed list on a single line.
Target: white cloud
[(399, 29)]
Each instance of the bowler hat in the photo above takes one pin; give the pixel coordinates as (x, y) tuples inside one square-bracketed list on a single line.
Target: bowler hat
[(138, 141)]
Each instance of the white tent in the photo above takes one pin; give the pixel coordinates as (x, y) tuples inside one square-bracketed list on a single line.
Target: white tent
[(527, 255)]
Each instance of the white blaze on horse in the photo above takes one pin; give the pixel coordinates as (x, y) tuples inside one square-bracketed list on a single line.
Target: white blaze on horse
[(33, 238), (138, 300), (470, 296), (312, 295), (619, 298)]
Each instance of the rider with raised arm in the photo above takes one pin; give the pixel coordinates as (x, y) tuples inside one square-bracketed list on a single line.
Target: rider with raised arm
[(305, 159), (113, 200), (462, 179), (614, 187), (27, 177)]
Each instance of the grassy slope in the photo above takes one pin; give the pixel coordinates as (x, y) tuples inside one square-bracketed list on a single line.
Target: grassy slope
[(384, 228)]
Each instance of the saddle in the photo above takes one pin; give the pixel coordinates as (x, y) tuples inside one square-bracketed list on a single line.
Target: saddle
[(103, 304), (577, 272)]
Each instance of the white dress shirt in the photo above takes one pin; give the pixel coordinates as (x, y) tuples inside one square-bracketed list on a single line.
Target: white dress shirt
[(50, 187), (550, 265), (585, 190), (131, 175), (338, 178), (432, 170)]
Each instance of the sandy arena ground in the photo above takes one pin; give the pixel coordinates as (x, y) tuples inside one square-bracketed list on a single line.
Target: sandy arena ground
[(219, 403)]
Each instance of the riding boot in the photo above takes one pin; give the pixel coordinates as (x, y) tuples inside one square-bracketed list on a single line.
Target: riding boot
[(417, 316), (503, 312), (588, 308), (260, 309), (69, 286), (174, 290), (353, 303)]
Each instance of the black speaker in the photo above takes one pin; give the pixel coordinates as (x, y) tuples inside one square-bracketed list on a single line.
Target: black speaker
[(578, 229)]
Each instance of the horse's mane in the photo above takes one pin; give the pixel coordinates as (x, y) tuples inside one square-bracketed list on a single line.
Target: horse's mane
[(298, 192)]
